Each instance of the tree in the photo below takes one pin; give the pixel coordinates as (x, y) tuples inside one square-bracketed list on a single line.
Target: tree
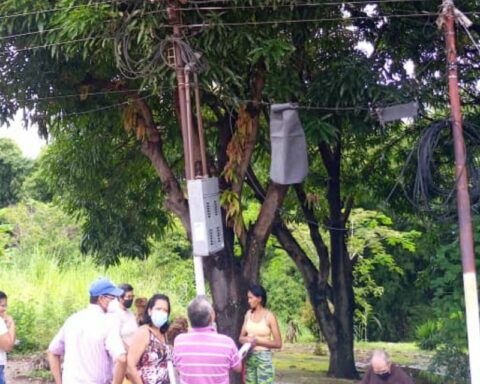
[(253, 56), (13, 170)]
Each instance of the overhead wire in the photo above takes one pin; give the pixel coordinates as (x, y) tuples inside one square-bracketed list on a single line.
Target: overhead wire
[(75, 95), (58, 9), (278, 21), (62, 9), (209, 24), (295, 5), (105, 107)]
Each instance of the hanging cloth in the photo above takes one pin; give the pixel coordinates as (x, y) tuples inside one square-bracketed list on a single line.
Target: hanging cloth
[(289, 147)]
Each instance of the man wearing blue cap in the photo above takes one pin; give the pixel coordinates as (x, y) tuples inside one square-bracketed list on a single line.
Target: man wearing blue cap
[(90, 342)]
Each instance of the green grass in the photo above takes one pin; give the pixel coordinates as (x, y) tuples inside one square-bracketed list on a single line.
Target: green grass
[(42, 293)]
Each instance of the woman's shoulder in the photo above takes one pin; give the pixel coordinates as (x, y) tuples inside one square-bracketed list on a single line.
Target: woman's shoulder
[(143, 330), (269, 315), (248, 314)]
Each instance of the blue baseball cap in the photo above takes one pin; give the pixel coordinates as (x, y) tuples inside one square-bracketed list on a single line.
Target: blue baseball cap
[(103, 286)]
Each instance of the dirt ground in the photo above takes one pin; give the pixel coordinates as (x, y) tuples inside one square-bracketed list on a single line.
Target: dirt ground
[(18, 372), (295, 364)]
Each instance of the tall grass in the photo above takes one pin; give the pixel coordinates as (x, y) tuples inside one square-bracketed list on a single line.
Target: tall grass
[(42, 293)]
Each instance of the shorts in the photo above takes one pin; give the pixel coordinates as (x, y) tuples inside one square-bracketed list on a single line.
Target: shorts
[(2, 374), (260, 368)]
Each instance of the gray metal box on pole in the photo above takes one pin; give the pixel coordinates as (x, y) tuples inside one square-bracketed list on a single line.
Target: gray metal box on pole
[(205, 216)]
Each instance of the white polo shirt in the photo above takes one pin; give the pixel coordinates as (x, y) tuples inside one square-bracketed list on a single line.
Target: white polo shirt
[(3, 331)]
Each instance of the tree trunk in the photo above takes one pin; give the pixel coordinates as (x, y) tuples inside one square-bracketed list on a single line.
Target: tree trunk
[(342, 362)]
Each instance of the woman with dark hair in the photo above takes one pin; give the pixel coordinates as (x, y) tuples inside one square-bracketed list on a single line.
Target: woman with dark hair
[(261, 330), (149, 351)]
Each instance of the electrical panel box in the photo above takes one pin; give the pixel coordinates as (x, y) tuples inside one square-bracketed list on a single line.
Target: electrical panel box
[(205, 216)]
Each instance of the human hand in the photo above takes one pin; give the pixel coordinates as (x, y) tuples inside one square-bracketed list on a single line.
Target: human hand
[(8, 320)]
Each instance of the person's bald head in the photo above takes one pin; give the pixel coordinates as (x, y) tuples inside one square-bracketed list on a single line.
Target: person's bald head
[(380, 362)]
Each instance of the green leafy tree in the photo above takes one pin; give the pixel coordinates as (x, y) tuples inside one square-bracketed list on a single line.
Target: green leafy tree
[(13, 170), (107, 177)]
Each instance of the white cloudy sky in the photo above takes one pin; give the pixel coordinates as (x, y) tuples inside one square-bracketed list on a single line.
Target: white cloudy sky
[(28, 140)]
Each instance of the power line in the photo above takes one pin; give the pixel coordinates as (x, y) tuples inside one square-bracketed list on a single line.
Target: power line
[(59, 43), (104, 108), (61, 9), (294, 21), (29, 33), (75, 95), (40, 11), (274, 6), (277, 21)]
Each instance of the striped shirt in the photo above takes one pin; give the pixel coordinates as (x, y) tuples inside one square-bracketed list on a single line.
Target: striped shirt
[(204, 356)]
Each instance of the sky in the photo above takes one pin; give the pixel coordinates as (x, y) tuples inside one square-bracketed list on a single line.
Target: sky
[(28, 140)]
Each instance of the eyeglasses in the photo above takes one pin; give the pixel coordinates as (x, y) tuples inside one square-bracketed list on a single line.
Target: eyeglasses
[(111, 297)]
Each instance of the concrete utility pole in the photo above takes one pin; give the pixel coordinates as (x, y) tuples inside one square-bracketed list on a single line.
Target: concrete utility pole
[(463, 198)]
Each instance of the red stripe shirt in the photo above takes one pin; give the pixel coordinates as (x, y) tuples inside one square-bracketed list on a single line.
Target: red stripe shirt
[(204, 356)]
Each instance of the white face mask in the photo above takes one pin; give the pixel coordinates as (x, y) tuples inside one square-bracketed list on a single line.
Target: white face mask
[(113, 306), (159, 317)]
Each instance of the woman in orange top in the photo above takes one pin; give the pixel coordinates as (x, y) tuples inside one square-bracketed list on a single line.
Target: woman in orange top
[(260, 328)]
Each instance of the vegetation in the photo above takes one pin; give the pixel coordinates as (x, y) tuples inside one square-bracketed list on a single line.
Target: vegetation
[(91, 76)]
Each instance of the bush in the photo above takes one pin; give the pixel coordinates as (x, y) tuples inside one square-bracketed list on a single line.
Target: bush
[(451, 362), (427, 335)]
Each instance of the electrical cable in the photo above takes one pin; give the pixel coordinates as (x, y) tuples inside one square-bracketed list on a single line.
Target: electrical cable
[(29, 33), (41, 11), (74, 95), (203, 25), (291, 6), (104, 108), (427, 194)]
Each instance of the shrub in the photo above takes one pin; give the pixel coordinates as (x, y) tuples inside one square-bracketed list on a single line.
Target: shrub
[(451, 362), (427, 335)]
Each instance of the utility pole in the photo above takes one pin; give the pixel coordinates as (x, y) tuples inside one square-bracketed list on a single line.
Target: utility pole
[(183, 71), (463, 198), (175, 19)]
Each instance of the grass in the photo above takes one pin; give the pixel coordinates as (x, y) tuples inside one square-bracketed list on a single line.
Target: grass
[(42, 293), (297, 363)]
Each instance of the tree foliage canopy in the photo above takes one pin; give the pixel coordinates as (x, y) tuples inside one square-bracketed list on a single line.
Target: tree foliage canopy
[(96, 77)]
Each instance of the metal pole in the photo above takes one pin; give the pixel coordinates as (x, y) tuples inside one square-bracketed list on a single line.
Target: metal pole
[(463, 204), (201, 132), (185, 117), (199, 277), (174, 19), (188, 104)]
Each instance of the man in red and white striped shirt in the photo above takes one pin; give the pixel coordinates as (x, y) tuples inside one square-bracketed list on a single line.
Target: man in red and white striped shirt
[(203, 356)]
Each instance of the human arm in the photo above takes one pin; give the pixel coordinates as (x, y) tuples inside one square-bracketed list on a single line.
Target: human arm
[(244, 338), (116, 349), (235, 358), (137, 346), (7, 334), (55, 367), (276, 343), (55, 350), (119, 369)]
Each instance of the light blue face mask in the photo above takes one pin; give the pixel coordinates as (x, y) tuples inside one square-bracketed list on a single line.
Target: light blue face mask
[(159, 317)]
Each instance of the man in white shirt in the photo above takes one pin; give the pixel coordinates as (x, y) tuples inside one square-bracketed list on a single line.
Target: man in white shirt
[(90, 342), (7, 335)]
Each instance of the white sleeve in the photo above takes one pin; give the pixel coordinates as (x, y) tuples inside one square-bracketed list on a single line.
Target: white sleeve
[(113, 341), (3, 327)]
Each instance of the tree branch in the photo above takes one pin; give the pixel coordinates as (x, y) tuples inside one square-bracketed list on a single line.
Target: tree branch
[(257, 238), (314, 228)]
